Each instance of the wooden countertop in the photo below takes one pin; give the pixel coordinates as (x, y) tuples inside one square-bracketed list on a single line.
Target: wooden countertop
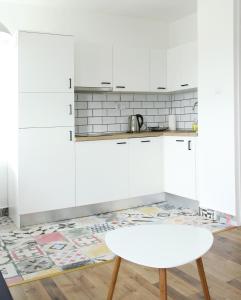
[(119, 136)]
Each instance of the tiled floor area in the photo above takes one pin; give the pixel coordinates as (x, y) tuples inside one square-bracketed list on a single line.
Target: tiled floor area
[(47, 249)]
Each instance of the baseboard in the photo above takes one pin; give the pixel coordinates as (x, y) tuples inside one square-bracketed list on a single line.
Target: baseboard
[(87, 210)]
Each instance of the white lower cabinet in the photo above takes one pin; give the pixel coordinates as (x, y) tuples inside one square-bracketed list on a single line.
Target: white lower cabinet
[(101, 171), (46, 169), (180, 166), (145, 166)]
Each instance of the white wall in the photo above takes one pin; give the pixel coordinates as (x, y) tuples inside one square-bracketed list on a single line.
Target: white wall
[(216, 149), (183, 31), (92, 28)]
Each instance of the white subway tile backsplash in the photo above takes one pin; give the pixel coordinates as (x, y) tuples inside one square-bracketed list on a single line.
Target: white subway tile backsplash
[(99, 97), (122, 120), (136, 104), (124, 127), (103, 112), (160, 104), (100, 128), (160, 119), (84, 113), (110, 104), (84, 129), (151, 112), (113, 112), (84, 97), (180, 111), (99, 112), (163, 111), (152, 97), (141, 111), (148, 104), (81, 121), (109, 120), (94, 105), (114, 127), (113, 97), (127, 112), (139, 97), (127, 97), (94, 120), (81, 105)]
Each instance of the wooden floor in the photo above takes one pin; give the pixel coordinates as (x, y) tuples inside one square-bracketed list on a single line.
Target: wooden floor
[(222, 265)]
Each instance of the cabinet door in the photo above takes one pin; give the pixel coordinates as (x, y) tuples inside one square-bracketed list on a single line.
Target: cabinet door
[(189, 62), (93, 65), (46, 109), (158, 70), (46, 169), (174, 68), (131, 69), (46, 62), (145, 166), (101, 171), (180, 166)]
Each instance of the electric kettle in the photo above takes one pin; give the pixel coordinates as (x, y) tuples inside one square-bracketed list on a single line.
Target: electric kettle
[(135, 123)]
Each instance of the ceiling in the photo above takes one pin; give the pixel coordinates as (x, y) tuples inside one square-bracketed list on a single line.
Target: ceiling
[(168, 10)]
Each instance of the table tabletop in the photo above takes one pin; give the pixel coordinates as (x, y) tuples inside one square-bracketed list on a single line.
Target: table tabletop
[(160, 245)]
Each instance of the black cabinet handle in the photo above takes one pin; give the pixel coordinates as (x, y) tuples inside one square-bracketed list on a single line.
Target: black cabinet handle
[(180, 141), (70, 83), (71, 135), (189, 145), (70, 109), (105, 82), (121, 143), (147, 141), (161, 88), (120, 87), (186, 84)]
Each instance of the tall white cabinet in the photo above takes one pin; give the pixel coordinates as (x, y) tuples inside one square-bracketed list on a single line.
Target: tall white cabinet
[(43, 168)]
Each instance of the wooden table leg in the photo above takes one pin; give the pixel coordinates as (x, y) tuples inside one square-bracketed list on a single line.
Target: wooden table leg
[(163, 284), (114, 278), (203, 278)]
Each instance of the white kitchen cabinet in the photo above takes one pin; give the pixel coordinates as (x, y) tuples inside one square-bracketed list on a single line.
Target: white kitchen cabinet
[(46, 62), (158, 70), (174, 69), (101, 171), (93, 65), (182, 67), (180, 166), (46, 169), (146, 169), (189, 63), (46, 109), (131, 69)]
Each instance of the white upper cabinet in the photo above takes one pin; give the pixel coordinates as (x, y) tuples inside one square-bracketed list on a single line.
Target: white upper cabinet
[(182, 67), (189, 63), (180, 166), (158, 70), (46, 169), (145, 166), (131, 71), (174, 69), (46, 109), (101, 171), (93, 65), (46, 62)]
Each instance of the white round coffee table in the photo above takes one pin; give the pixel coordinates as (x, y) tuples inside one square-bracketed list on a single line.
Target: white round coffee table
[(162, 247)]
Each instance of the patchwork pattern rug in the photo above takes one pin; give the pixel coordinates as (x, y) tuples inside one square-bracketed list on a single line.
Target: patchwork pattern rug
[(44, 250)]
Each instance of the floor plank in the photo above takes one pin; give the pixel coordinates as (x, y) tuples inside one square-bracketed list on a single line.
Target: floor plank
[(222, 266)]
